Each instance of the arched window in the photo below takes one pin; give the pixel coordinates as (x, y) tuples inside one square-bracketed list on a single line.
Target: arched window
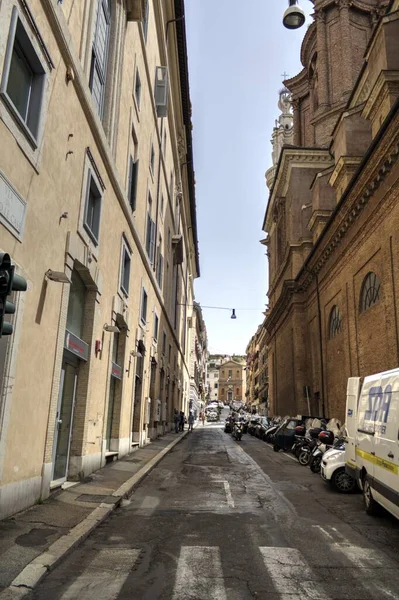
[(335, 324), (370, 293)]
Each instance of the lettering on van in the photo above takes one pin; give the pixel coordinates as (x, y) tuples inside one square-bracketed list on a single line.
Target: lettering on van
[(379, 403)]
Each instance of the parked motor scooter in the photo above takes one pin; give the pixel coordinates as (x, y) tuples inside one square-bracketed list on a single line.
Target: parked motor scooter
[(325, 442), (305, 453)]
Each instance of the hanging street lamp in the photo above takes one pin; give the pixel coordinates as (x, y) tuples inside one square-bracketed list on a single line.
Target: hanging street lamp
[(294, 17)]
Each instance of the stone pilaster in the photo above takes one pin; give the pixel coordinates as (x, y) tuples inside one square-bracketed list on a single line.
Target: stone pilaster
[(343, 6), (322, 64)]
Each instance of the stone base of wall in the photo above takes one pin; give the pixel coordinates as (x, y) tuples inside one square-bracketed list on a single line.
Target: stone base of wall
[(15, 497), (81, 466)]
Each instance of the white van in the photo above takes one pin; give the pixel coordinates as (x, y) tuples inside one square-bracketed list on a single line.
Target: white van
[(372, 447)]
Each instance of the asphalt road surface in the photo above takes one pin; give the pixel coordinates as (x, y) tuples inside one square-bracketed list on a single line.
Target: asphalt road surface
[(221, 520)]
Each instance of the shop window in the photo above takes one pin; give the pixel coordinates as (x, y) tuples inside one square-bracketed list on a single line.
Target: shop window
[(24, 77), (370, 293)]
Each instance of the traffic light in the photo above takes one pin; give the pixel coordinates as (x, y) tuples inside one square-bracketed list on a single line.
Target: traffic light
[(9, 282)]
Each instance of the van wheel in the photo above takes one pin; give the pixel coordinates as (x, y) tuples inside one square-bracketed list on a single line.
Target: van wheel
[(343, 482), (370, 504)]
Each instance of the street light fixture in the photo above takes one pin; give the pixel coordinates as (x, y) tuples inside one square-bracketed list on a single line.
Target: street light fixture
[(294, 17)]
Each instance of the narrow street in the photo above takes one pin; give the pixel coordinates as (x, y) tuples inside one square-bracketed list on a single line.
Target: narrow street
[(220, 520)]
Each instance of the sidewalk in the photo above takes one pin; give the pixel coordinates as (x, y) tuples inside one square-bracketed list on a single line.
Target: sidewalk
[(34, 541)]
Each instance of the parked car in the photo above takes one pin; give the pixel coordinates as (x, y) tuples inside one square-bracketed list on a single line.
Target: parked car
[(333, 470), (212, 416), (284, 436)]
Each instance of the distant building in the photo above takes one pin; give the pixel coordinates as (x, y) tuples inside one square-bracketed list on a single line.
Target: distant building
[(231, 381), (198, 354), (257, 393), (212, 376)]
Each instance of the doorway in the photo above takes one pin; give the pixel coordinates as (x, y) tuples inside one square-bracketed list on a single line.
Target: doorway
[(63, 422)]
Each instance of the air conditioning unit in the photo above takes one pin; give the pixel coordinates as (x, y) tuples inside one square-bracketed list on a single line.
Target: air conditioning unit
[(161, 91), (177, 243)]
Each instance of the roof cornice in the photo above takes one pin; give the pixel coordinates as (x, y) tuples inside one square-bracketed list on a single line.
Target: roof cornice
[(291, 157), (186, 102)]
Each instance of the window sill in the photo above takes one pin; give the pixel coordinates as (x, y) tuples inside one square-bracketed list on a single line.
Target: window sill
[(123, 293), (90, 234), (19, 121)]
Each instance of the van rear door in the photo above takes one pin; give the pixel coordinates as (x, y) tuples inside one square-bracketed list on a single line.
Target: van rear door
[(352, 396), (386, 419), (365, 453)]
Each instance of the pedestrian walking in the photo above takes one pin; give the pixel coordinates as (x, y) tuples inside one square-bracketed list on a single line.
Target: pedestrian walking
[(190, 421), (176, 419), (203, 418), (181, 428)]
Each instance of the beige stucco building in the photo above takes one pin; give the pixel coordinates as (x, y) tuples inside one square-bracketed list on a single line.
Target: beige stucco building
[(232, 381), (97, 210), (198, 354)]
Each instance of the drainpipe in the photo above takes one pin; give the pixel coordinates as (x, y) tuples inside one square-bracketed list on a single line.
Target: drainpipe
[(320, 346)]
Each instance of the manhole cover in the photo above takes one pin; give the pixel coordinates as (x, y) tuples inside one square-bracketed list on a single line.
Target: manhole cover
[(96, 498)]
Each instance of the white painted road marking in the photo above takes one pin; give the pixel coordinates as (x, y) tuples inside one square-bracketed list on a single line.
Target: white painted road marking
[(199, 574), (104, 576), (367, 564), (292, 577), (229, 497)]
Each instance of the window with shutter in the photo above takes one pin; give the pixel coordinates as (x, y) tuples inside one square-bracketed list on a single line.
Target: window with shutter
[(145, 20), (98, 71), (152, 242), (148, 235), (160, 269), (125, 269), (143, 312), (133, 176)]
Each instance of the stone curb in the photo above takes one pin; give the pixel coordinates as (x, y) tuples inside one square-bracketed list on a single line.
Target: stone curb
[(34, 572)]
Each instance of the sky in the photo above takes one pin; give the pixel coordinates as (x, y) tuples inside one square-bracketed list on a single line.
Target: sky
[(237, 53)]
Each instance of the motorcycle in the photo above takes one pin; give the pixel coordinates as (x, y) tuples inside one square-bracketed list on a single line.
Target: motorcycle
[(269, 433), (237, 431), (326, 442)]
